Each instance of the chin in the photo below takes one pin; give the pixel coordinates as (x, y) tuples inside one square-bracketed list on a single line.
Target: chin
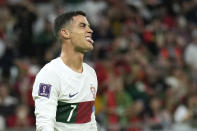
[(84, 50), (89, 49)]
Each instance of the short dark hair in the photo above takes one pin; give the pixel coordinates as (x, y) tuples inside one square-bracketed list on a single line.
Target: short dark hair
[(63, 19)]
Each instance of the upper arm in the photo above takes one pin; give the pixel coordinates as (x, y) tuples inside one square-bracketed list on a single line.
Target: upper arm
[(45, 94)]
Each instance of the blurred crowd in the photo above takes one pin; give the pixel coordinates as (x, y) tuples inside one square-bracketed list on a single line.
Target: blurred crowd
[(145, 56)]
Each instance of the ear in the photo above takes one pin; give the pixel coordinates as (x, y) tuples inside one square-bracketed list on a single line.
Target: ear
[(65, 33)]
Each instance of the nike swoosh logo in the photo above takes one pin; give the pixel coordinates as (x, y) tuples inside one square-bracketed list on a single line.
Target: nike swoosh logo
[(71, 95)]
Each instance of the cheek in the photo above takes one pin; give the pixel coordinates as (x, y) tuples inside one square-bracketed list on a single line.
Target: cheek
[(78, 35), (78, 40)]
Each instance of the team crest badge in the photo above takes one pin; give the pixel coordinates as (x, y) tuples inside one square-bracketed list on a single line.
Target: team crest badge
[(93, 90)]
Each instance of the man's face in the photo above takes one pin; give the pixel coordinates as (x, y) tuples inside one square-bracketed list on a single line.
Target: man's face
[(81, 34)]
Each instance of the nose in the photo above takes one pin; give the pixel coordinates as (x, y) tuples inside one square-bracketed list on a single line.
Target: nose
[(90, 30)]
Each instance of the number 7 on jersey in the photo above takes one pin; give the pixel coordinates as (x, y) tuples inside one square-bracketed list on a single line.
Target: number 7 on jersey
[(71, 112)]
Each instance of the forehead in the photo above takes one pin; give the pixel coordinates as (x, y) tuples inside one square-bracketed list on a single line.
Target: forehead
[(79, 19)]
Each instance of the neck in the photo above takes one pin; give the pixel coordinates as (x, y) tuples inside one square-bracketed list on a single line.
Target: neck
[(71, 58)]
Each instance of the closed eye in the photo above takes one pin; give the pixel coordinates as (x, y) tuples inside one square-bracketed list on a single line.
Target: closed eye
[(82, 25)]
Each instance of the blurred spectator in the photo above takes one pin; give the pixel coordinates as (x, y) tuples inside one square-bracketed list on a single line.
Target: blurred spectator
[(6, 51), (104, 33), (189, 9), (122, 102), (21, 119), (7, 102), (44, 40), (117, 101), (144, 56), (136, 119), (185, 113), (158, 118), (24, 80), (191, 52), (26, 15), (93, 8), (2, 123)]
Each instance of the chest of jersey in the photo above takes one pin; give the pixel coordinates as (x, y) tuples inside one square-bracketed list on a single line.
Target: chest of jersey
[(78, 88), (76, 98)]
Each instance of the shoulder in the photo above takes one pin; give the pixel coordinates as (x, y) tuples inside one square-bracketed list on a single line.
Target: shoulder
[(47, 76), (90, 71), (89, 68), (49, 69)]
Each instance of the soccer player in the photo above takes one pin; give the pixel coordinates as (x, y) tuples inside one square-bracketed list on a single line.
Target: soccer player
[(65, 89)]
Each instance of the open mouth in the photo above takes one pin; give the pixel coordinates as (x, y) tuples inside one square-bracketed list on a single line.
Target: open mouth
[(89, 39)]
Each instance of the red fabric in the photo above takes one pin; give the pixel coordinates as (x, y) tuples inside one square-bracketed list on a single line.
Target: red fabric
[(17, 89), (122, 67), (164, 53), (111, 103), (101, 72), (2, 34), (3, 2), (84, 112), (141, 75), (133, 121), (29, 93), (178, 52), (169, 21), (155, 120), (13, 122), (148, 36), (30, 99)]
